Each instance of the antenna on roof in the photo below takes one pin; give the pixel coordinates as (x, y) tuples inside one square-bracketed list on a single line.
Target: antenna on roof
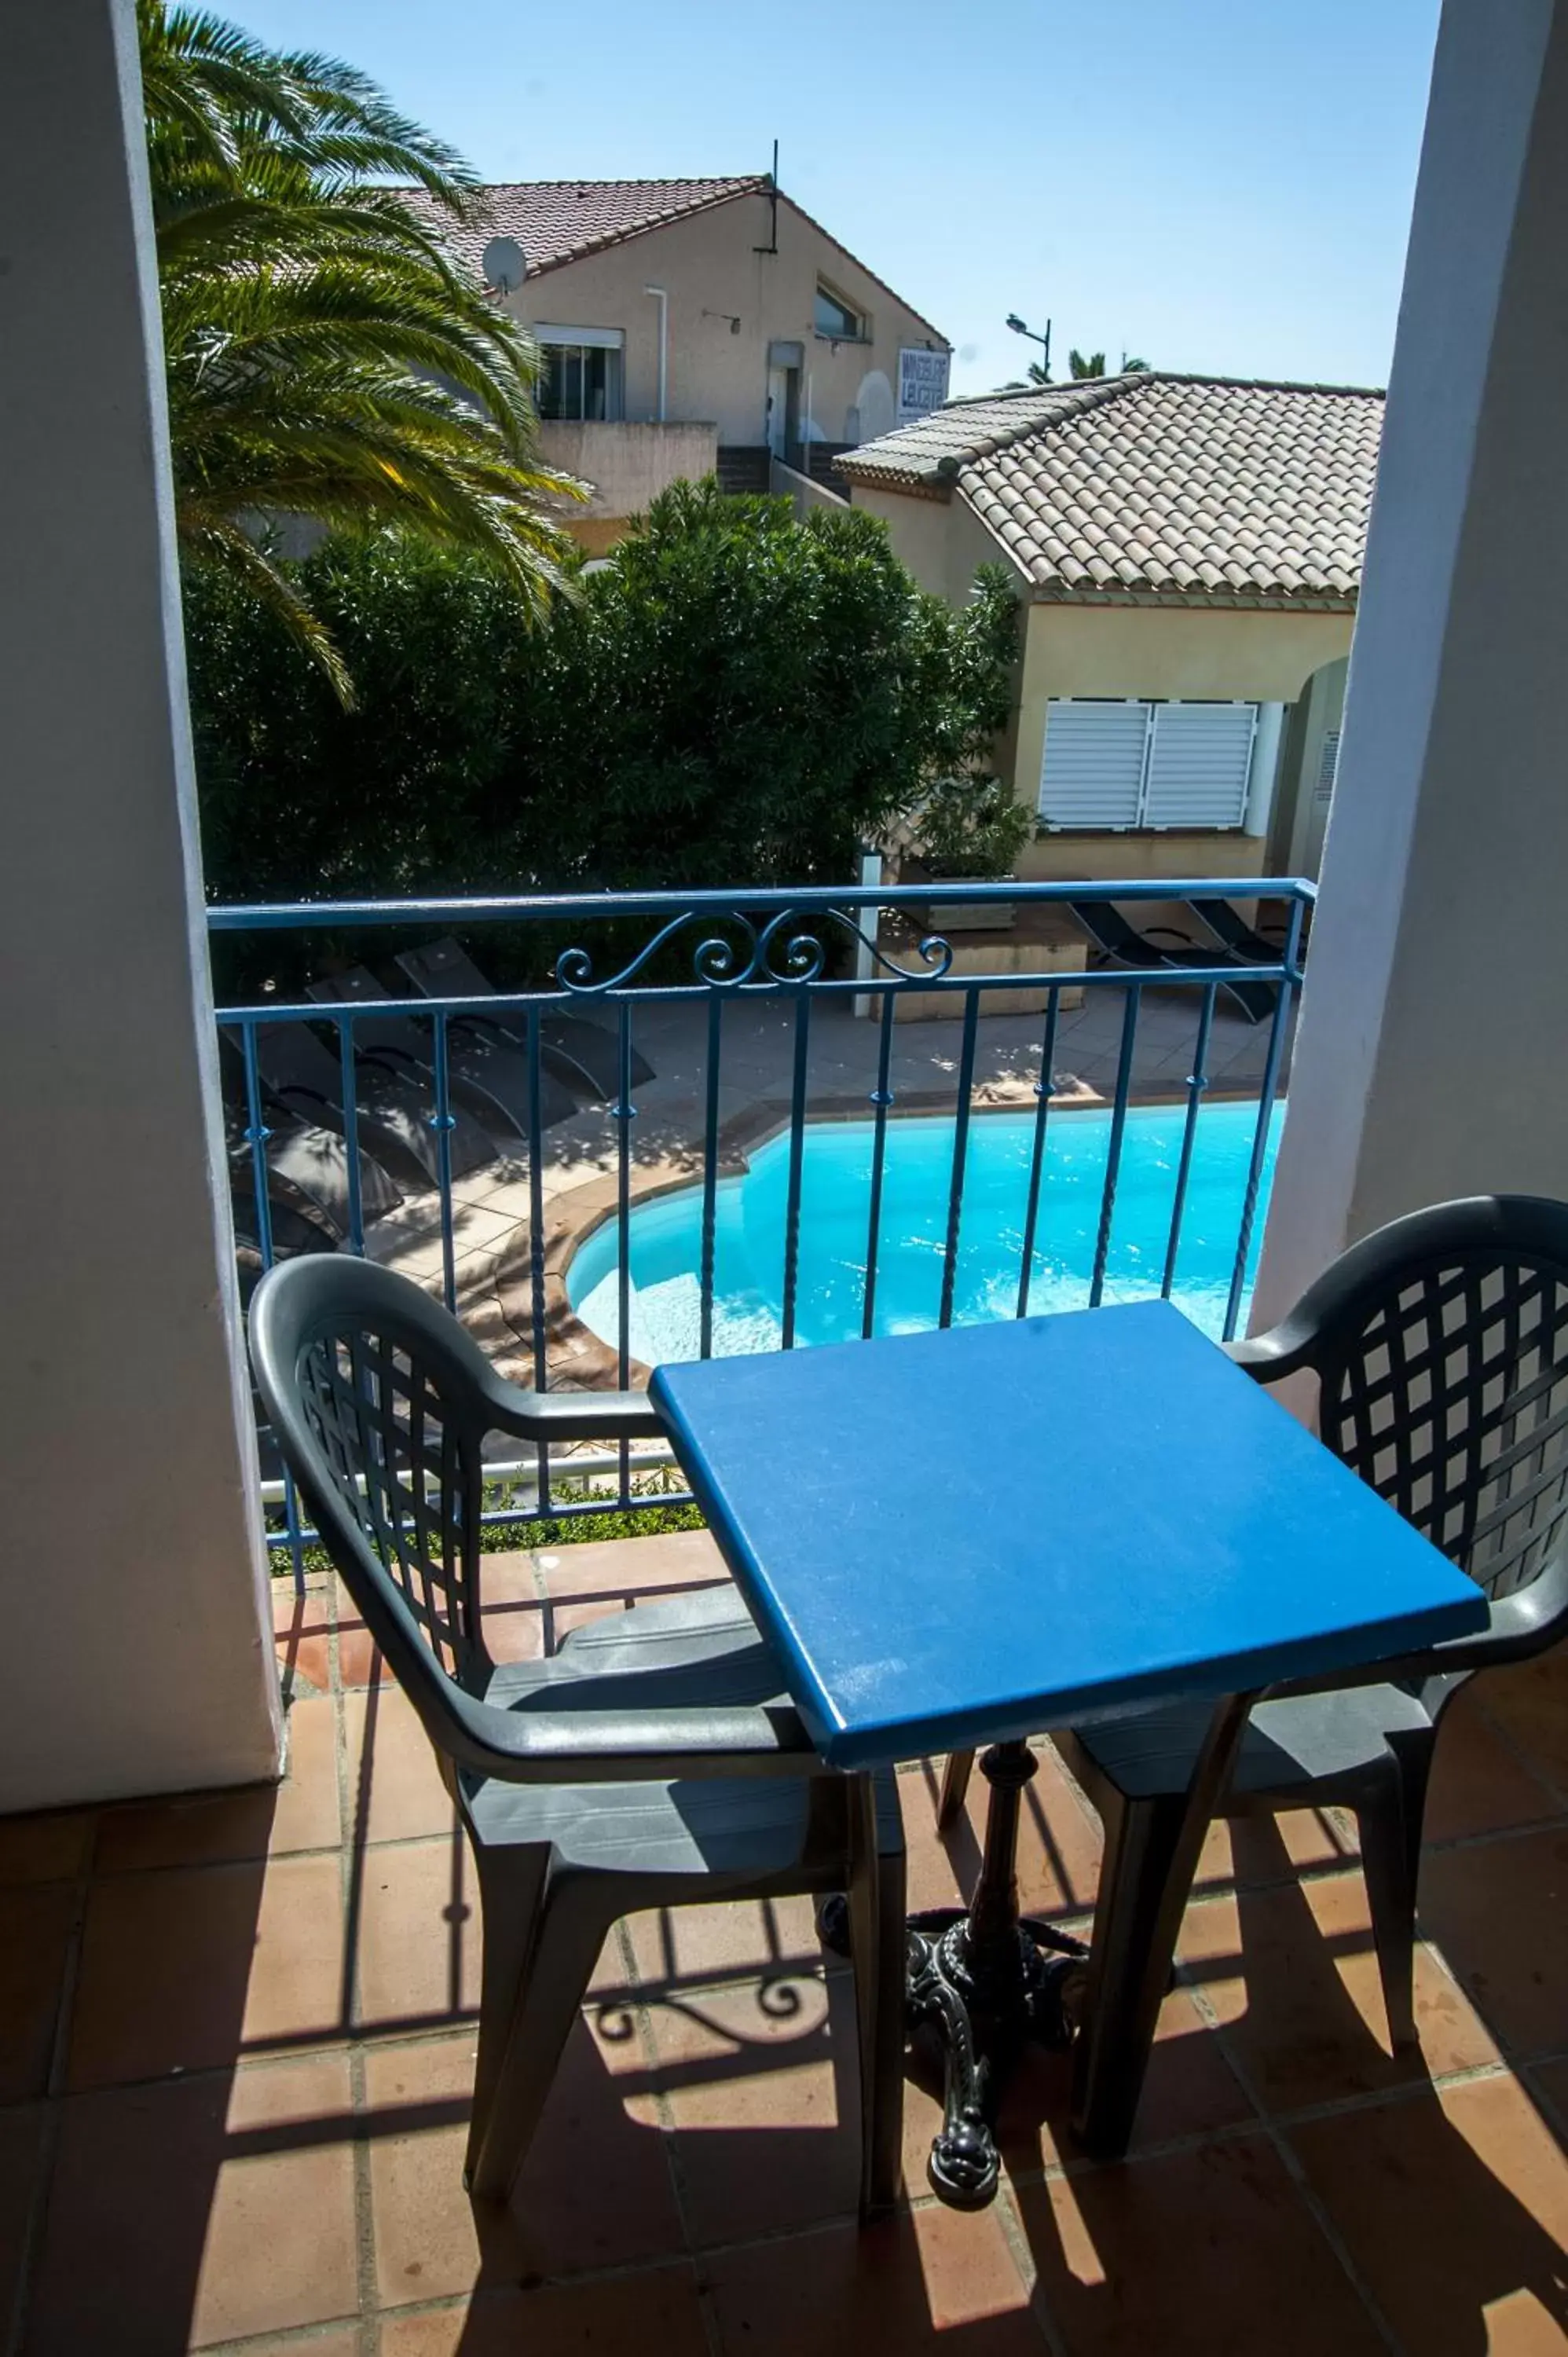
[(772, 245), (504, 263)]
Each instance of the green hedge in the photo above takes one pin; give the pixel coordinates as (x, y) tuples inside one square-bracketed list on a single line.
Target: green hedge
[(738, 698)]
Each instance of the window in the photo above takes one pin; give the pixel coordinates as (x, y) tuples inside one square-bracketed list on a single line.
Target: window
[(583, 373), (835, 319), (1128, 763)]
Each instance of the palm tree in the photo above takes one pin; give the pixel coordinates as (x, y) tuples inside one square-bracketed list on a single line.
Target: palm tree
[(1080, 367), (326, 356)]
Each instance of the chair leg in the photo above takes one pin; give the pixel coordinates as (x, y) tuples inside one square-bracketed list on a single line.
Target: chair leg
[(1151, 1854), (527, 2039), (1390, 1822), (877, 1905), (955, 1784)]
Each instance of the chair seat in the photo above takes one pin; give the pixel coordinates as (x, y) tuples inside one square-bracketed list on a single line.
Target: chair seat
[(700, 1650), (1299, 1739)]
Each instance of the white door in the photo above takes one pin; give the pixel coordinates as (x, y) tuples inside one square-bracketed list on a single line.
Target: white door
[(777, 410)]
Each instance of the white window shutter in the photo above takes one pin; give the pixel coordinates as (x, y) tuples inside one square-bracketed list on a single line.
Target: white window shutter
[(1091, 773), (1199, 756)]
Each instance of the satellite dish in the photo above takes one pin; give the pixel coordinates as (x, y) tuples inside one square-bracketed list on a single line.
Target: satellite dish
[(504, 263)]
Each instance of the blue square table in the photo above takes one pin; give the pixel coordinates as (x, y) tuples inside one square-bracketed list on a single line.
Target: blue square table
[(972, 1535)]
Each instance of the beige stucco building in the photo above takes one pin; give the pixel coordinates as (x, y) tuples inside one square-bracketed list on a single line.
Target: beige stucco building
[(692, 325), (1188, 553)]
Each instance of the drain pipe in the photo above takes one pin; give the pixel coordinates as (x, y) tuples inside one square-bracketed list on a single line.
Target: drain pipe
[(661, 298)]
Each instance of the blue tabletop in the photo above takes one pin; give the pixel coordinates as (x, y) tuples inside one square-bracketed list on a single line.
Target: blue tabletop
[(958, 1537)]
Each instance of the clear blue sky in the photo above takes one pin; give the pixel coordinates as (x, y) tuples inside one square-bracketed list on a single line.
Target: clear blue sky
[(1218, 185)]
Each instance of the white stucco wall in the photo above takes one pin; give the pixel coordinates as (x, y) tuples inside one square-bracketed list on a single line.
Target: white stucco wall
[(1429, 1058), (139, 1657)]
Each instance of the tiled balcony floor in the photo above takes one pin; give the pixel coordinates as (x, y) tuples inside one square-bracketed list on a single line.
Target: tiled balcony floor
[(236, 2039)]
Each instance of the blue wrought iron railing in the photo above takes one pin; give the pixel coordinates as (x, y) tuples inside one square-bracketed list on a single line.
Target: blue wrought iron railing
[(863, 949)]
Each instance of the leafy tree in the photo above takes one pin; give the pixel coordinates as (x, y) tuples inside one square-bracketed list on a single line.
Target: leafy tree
[(1082, 366), (326, 356), (739, 698)]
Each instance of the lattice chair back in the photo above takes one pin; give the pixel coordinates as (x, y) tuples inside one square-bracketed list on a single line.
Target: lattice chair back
[(389, 1395), (1441, 1348)]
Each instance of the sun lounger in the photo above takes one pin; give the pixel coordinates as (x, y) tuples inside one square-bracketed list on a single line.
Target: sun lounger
[(392, 1108), (1219, 920), (487, 1076), (584, 1053), (1108, 928), (307, 1165)]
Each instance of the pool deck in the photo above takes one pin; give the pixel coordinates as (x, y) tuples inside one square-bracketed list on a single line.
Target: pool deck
[(491, 1210)]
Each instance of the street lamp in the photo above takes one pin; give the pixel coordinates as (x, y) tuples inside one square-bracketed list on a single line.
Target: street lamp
[(1044, 341)]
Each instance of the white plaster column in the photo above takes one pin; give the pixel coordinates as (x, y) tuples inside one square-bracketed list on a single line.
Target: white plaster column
[(1264, 768), (1430, 1062), (138, 1654)]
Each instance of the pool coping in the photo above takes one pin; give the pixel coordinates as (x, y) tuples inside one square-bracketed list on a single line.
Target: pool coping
[(579, 1359)]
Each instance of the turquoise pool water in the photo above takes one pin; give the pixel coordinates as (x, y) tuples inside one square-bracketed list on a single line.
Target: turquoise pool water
[(748, 1253)]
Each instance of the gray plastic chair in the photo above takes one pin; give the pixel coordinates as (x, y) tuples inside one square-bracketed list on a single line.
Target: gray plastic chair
[(1441, 1348), (653, 1761)]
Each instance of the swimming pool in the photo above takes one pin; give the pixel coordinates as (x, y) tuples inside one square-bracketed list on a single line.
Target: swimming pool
[(748, 1245)]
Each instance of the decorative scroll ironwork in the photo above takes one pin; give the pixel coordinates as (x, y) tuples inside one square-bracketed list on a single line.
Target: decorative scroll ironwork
[(771, 955)]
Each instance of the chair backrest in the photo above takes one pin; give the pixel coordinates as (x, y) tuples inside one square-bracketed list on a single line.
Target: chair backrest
[(1441, 1343), (378, 1401)]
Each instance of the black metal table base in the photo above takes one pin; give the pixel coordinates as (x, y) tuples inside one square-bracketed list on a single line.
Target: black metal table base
[(985, 1983), (985, 2005)]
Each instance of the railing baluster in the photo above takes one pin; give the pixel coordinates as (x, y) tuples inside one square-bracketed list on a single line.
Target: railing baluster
[(882, 1098), (442, 1122), (960, 1153), (536, 1236), (797, 1164), (624, 1112), (1043, 1088), (1266, 1094), (1197, 1081), (710, 1175), (257, 1134), (1114, 1150), (351, 1130)]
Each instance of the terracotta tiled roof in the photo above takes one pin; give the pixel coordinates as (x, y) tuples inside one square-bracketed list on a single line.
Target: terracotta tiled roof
[(560, 220), (1199, 489)]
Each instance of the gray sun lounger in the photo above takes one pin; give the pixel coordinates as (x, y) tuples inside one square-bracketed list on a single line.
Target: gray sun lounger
[(1109, 931), (489, 1076), (392, 1108), (584, 1053), (307, 1164), (1219, 920)]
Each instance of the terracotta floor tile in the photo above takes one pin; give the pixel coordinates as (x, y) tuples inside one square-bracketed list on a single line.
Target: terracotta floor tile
[(338, 2341), (302, 1812), (1292, 1976), (1529, 1702), (595, 2190), (1058, 1841), (21, 2160), (1454, 2209), (1252, 1850), (394, 1785), (1211, 2253), (419, 1935), (1499, 1913), (51, 1847), (180, 1970), (199, 2210), (622, 1567), (35, 1936), (929, 2280), (657, 2314), (1478, 1786), (1189, 2090), (302, 1631), (692, 1945), (761, 2082)]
